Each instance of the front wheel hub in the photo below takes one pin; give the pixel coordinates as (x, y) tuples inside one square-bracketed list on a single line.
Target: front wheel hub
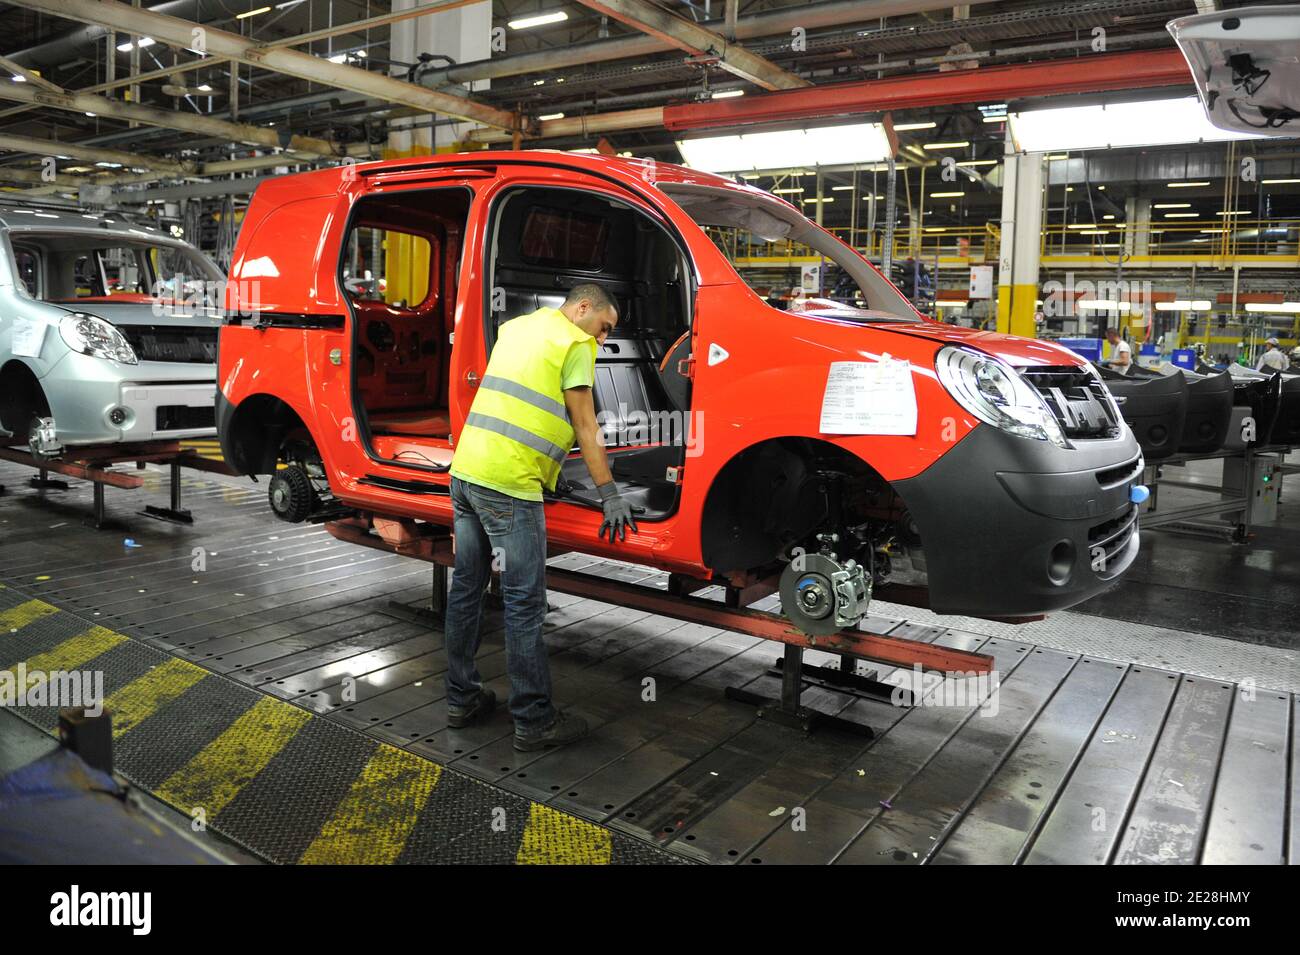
[(820, 595)]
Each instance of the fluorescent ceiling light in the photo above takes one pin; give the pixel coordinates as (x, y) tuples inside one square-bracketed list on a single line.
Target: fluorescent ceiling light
[(339, 58), (789, 190), (1187, 185), (728, 94), (1103, 306), (1082, 225), (978, 162), (823, 199), (19, 78), (252, 13), (1181, 305), (1239, 212), (1000, 118), (550, 116), (949, 303), (204, 88), (1277, 182), (1182, 215), (287, 4), (1284, 308), (1108, 217), (1094, 232), (960, 145), (789, 149), (937, 228), (904, 127), (523, 23), (840, 188), (946, 195), (1172, 205), (1144, 123)]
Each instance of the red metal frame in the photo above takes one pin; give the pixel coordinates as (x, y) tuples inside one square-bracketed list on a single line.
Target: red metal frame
[(1084, 74), (431, 543)]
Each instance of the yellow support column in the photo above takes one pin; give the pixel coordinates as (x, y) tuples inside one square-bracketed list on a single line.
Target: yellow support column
[(1020, 249)]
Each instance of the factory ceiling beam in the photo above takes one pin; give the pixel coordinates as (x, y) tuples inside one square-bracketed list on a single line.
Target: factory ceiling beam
[(180, 34), (264, 136), (50, 147), (29, 76), (698, 40), (814, 16)]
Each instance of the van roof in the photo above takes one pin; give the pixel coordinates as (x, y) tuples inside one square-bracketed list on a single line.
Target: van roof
[(54, 218)]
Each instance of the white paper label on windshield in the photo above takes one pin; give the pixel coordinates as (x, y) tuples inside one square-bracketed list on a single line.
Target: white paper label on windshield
[(869, 397), (28, 337)]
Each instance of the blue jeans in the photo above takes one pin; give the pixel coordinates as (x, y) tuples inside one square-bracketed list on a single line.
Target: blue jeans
[(497, 532)]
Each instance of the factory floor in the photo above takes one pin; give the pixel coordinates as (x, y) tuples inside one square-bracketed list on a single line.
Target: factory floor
[(278, 679)]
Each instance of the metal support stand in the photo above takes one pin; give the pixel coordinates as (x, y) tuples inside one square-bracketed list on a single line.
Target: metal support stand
[(99, 519), (788, 710), (435, 614), (44, 483), (175, 513)]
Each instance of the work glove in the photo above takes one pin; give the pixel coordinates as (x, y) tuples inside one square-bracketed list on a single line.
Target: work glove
[(618, 513)]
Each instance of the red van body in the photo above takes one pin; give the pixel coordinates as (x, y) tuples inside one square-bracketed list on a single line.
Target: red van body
[(366, 396)]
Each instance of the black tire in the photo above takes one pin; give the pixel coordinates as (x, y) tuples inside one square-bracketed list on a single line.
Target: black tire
[(291, 495)]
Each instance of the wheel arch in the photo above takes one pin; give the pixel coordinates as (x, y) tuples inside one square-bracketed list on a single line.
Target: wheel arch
[(253, 431)]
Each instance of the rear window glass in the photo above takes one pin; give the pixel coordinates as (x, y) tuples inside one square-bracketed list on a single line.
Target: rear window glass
[(559, 238)]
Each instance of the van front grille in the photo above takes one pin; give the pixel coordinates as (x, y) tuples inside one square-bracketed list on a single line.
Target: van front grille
[(169, 343), (1079, 399)]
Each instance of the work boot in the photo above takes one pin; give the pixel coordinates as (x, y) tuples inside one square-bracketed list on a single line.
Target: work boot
[(566, 728), (480, 709)]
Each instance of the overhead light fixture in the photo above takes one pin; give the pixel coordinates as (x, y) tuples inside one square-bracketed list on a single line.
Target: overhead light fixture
[(1284, 308), (1101, 188), (1188, 185), (550, 116), (143, 42), (788, 191), (840, 188), (952, 303), (1172, 205), (252, 13), (1108, 217), (904, 127), (542, 19), (937, 228), (788, 149), (1182, 305), (1239, 212), (287, 4), (1182, 215), (109, 165), (1103, 305), (946, 195), (1277, 182), (1094, 232), (90, 114), (338, 58), (204, 88), (978, 162), (1082, 225), (1143, 123), (823, 199), (19, 78), (960, 145), (999, 118), (728, 94), (1059, 156)]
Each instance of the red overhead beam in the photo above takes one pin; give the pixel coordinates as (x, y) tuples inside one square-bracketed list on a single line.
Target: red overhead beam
[(1085, 74)]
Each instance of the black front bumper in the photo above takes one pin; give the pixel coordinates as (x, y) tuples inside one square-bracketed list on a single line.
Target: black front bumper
[(1015, 527)]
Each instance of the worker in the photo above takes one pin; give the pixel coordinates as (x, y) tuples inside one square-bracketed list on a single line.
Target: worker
[(1121, 354), (1295, 360), (534, 398), (1273, 359)]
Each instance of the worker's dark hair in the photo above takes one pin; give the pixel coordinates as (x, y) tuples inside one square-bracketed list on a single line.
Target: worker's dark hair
[(592, 293)]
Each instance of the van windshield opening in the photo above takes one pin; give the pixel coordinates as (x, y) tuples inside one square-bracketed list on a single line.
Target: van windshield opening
[(752, 230)]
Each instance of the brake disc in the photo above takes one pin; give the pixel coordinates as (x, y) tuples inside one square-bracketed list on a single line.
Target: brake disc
[(808, 594)]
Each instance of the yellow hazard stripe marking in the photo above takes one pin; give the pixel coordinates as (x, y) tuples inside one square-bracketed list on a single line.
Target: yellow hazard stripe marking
[(370, 826), (556, 838), (73, 652), (141, 698), (221, 769), (15, 618)]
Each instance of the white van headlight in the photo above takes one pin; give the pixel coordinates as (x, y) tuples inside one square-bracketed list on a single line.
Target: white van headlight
[(995, 393), (94, 336)]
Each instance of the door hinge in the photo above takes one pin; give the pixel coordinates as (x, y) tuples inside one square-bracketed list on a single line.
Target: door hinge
[(674, 475), (686, 368)]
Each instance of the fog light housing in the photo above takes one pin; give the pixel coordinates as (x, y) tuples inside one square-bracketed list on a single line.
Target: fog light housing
[(1060, 563)]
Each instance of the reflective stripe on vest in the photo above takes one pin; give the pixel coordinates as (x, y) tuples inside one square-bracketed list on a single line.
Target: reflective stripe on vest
[(516, 433), (524, 393)]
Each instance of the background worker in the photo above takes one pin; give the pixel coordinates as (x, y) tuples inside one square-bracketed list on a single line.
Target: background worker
[(1121, 353), (535, 397), (1273, 359)]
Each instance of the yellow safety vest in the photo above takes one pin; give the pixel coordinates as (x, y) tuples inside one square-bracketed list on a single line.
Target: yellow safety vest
[(517, 433)]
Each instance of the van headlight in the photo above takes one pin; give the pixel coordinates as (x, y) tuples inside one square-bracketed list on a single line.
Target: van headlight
[(995, 393), (94, 336)]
